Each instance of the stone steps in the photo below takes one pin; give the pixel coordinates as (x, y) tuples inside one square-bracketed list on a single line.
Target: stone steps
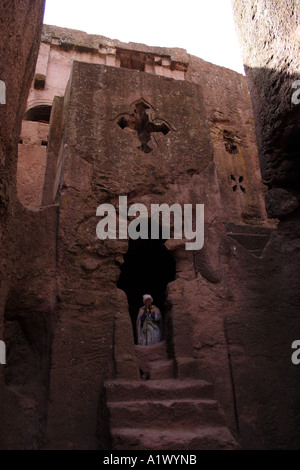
[(165, 413), (161, 370), (153, 352), (178, 438), (153, 361), (122, 390)]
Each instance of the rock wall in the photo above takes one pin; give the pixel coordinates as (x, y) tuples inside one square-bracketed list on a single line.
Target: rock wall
[(103, 160), (22, 385), (272, 69), (32, 157), (230, 316), (269, 35), (217, 311), (225, 95)]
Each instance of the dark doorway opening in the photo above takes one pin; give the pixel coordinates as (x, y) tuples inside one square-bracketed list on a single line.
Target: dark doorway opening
[(148, 268), (39, 113)]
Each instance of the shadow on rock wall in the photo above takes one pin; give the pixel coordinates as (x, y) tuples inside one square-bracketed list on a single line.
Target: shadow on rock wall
[(267, 383)]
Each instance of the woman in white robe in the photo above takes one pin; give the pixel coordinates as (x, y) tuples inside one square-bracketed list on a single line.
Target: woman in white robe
[(149, 323)]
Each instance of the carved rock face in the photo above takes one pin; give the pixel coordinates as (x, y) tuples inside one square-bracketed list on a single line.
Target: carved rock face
[(272, 69), (280, 203), (269, 36), (155, 140)]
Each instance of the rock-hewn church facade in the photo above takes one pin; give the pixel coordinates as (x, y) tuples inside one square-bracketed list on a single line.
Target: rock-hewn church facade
[(102, 119)]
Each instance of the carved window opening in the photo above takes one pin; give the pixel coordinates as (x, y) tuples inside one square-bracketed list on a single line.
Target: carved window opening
[(141, 121), (132, 60), (38, 114), (230, 142), (237, 183), (148, 268)]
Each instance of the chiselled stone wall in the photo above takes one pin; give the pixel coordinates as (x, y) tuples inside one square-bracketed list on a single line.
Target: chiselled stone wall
[(32, 157), (23, 385), (102, 160), (231, 316), (269, 35), (98, 159), (272, 68), (225, 97)]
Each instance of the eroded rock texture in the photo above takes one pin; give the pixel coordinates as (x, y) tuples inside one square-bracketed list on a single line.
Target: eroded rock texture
[(24, 310), (158, 126), (103, 160), (269, 34), (225, 97)]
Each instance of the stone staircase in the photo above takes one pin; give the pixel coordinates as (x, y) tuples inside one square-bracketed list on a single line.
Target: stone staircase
[(164, 413), (153, 362), (253, 238)]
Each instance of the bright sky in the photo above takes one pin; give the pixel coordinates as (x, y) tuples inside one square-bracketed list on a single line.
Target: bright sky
[(205, 28)]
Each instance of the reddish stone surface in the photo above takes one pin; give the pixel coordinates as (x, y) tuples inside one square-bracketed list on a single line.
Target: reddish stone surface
[(267, 331), (32, 154), (230, 312), (226, 100), (227, 103), (166, 414), (272, 67), (88, 268), (207, 291), (20, 402)]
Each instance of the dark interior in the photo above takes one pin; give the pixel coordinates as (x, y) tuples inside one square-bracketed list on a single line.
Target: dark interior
[(148, 268)]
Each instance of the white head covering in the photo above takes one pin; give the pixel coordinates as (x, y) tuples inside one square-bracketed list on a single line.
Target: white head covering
[(147, 296)]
